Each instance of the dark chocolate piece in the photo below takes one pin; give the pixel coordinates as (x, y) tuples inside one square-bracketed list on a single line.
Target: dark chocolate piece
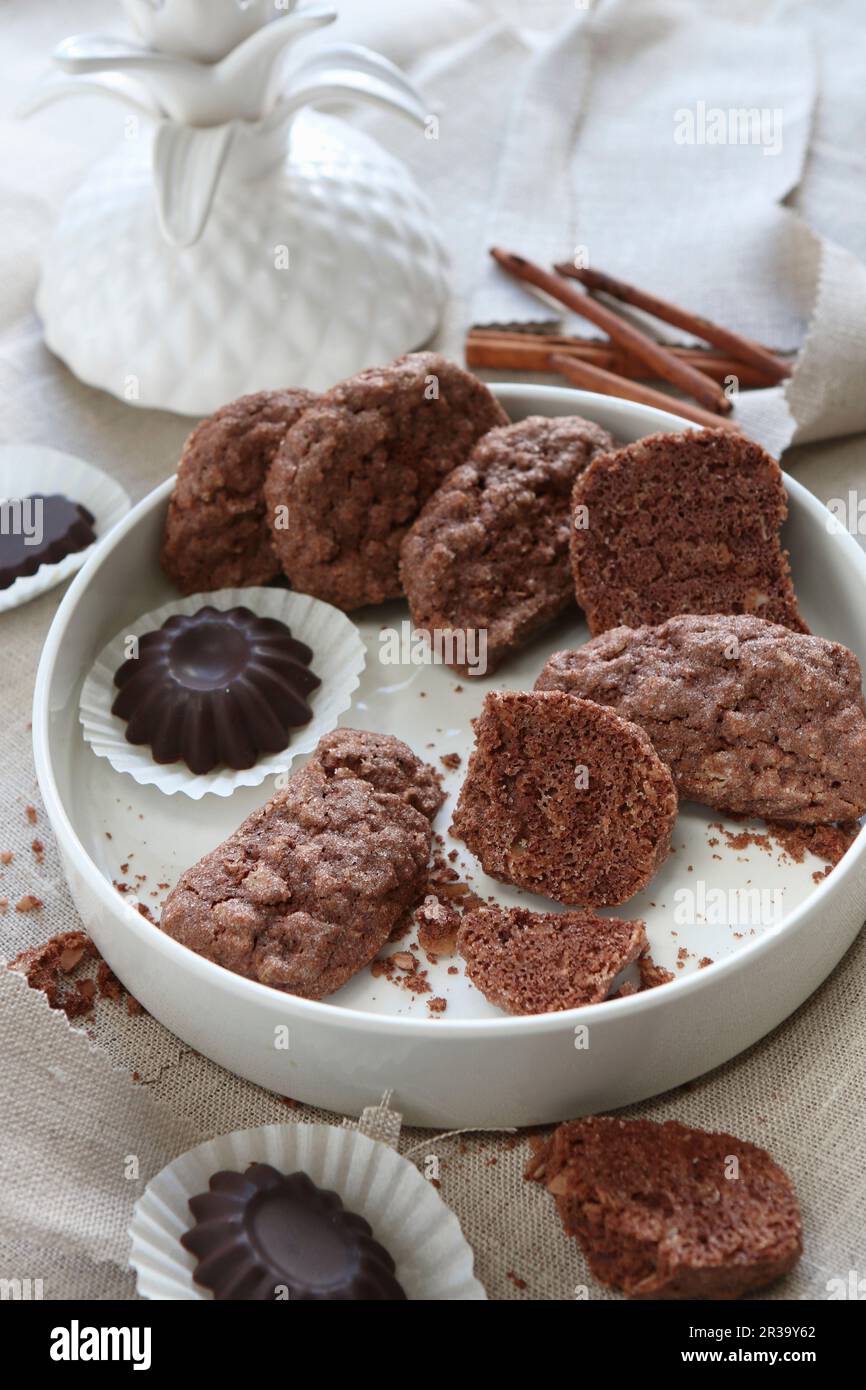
[(260, 1235), (64, 528), (215, 687)]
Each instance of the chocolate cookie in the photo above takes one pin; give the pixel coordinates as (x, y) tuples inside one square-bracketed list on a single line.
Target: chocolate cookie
[(681, 523), (563, 797), (665, 1211), (308, 888), (489, 551), (749, 716), (354, 472), (539, 962), (216, 533)]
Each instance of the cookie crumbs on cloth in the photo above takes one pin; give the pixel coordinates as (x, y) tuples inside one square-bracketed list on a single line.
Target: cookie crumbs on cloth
[(49, 967)]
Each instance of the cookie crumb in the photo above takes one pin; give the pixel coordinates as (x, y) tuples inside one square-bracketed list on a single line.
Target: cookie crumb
[(652, 975), (29, 903)]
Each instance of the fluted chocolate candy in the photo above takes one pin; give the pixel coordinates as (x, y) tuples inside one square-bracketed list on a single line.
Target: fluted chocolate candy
[(263, 1236), (215, 688), (51, 528)]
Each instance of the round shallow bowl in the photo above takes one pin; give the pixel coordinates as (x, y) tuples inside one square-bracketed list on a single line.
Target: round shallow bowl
[(739, 970)]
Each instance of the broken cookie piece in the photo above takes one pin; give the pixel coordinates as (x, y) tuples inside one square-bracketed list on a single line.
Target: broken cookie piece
[(540, 962), (438, 924), (668, 1212)]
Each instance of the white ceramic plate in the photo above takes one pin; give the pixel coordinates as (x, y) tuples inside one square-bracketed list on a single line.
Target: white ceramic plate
[(470, 1065)]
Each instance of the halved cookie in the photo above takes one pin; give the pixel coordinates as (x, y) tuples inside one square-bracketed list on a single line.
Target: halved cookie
[(665, 1211), (681, 523), (565, 798)]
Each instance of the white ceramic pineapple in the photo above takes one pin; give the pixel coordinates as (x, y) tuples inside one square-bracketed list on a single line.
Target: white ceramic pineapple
[(252, 242)]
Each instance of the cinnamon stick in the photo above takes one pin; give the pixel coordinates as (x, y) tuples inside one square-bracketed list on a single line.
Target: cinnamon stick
[(660, 359), (592, 378), (696, 324), (506, 350)]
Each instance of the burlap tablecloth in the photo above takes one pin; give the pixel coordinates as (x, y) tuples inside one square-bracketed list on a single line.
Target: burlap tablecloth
[(73, 1115)]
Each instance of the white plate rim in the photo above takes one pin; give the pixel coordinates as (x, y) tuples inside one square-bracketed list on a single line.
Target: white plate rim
[(645, 1001)]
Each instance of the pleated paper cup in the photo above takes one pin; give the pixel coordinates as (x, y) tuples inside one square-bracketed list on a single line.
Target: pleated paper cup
[(338, 660), (434, 1260), (26, 469)]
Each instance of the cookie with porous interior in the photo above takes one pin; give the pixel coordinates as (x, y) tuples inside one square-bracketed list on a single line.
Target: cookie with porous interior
[(565, 798), (539, 962), (309, 887), (681, 523), (489, 552), (351, 477), (217, 535), (749, 716), (664, 1211)]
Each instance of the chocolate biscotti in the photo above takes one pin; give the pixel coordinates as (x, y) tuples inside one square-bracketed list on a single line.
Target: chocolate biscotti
[(663, 1211), (565, 798), (681, 523), (749, 716), (540, 962), (353, 474), (216, 533), (489, 552), (308, 888)]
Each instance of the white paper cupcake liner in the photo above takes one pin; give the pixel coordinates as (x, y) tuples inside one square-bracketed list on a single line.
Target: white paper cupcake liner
[(338, 660), (434, 1260), (26, 469)]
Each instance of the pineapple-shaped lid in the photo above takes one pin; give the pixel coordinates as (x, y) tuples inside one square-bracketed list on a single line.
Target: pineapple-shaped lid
[(209, 70)]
